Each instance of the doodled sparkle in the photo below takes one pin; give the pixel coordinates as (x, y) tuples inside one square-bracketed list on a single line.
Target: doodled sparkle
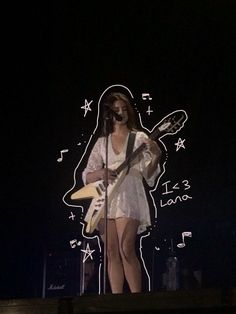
[(72, 216), (149, 111)]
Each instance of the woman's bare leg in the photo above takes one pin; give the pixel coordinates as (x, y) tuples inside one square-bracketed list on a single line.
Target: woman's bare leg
[(115, 267), (127, 232)]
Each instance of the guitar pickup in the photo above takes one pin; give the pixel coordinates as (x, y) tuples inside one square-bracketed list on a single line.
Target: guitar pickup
[(98, 190), (102, 187)]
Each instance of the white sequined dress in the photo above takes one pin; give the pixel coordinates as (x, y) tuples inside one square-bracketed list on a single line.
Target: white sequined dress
[(130, 198)]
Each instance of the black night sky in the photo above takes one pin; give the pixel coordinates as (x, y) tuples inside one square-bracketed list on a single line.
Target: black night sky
[(181, 51)]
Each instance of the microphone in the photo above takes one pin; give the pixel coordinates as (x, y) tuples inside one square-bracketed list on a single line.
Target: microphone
[(113, 113)]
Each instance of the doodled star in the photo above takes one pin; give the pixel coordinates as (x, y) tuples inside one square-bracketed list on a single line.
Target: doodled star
[(180, 144), (87, 253), (86, 106)]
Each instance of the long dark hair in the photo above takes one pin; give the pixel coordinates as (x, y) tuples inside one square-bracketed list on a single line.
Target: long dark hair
[(109, 101)]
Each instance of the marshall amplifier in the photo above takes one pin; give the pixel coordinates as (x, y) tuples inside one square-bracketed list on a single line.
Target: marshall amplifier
[(61, 274)]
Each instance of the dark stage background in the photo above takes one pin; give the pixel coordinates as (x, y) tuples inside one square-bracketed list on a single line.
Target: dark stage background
[(183, 54)]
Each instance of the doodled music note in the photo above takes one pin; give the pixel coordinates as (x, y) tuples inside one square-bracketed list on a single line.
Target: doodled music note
[(184, 234), (146, 96), (62, 152), (74, 243)]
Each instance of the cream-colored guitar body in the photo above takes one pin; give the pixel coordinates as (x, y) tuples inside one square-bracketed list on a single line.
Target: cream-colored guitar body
[(97, 192)]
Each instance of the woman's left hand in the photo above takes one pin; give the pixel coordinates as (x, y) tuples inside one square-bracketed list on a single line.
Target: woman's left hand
[(153, 147)]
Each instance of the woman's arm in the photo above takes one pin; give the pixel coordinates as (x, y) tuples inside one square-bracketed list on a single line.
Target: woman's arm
[(101, 175), (94, 167), (156, 154), (94, 176)]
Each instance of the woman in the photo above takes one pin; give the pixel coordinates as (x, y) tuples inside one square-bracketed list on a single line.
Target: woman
[(128, 212)]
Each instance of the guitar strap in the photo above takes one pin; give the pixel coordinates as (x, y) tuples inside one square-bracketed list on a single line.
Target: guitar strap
[(129, 149)]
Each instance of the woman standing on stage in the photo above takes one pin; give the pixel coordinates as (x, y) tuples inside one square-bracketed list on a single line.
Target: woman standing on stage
[(128, 212)]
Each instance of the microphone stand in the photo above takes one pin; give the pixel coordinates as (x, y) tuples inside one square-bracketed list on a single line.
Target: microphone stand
[(108, 115), (105, 203)]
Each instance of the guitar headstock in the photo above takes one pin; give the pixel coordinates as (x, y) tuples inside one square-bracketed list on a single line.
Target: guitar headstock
[(173, 122), (170, 124)]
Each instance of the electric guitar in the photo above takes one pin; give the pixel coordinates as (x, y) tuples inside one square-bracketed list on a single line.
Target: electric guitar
[(96, 191)]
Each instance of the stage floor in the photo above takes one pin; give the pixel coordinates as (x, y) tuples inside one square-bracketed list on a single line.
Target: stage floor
[(182, 301)]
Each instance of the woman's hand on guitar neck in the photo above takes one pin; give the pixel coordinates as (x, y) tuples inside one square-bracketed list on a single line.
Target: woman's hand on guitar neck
[(153, 147)]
